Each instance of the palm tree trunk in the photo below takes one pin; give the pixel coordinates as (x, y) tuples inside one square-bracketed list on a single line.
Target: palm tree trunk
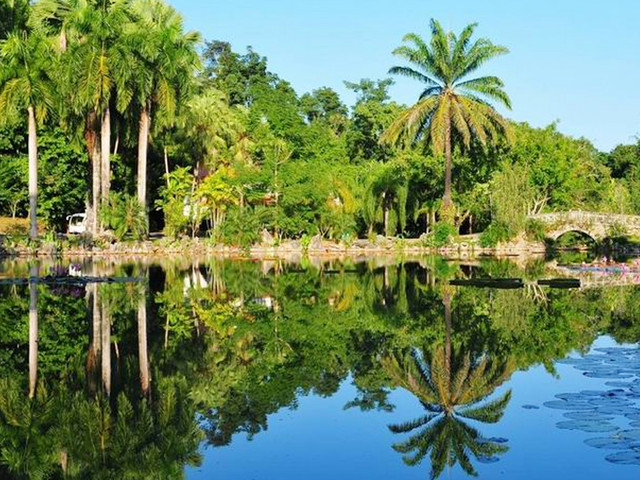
[(447, 202), (105, 141), (94, 153), (33, 331), (143, 146), (143, 356), (166, 165), (33, 174), (385, 208)]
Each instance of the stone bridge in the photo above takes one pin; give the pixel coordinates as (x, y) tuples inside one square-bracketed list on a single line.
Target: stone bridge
[(595, 225)]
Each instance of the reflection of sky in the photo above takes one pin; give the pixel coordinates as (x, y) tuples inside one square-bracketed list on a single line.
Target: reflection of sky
[(320, 440)]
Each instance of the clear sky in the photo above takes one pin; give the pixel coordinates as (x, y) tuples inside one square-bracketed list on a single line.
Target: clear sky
[(574, 61)]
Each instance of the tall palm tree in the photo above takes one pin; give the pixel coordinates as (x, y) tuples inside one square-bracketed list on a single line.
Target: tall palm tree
[(164, 58), (90, 33), (452, 106), (26, 88)]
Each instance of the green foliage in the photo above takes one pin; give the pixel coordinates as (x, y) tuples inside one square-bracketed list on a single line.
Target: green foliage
[(442, 235), (242, 227), (174, 198), (496, 232), (513, 197), (535, 230), (617, 230), (125, 216)]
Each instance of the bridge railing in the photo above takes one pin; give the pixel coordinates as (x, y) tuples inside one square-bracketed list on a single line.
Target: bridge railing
[(582, 217)]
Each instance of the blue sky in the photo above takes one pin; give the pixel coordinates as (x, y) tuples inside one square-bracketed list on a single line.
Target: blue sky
[(574, 61)]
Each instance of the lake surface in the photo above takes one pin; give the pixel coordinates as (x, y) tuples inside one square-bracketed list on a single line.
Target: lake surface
[(371, 369)]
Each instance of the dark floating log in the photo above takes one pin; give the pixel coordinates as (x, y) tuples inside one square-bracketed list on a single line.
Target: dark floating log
[(502, 283), (68, 280), (561, 283)]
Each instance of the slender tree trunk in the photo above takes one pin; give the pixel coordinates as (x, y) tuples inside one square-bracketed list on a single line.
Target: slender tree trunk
[(105, 140), (166, 166), (143, 146), (33, 331), (106, 347), (143, 357), (385, 207), (447, 202), (91, 138), (33, 174)]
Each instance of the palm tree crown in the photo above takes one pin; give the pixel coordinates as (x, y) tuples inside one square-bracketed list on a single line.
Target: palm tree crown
[(452, 105)]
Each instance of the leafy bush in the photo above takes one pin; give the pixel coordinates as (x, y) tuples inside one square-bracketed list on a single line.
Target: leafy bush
[(442, 234), (535, 230), (496, 233), (172, 201), (242, 226), (617, 231), (14, 226), (126, 216), (305, 241)]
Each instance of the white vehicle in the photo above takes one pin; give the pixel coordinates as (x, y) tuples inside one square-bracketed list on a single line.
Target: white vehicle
[(77, 223)]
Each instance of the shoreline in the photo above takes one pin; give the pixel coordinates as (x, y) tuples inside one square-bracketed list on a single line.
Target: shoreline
[(199, 247)]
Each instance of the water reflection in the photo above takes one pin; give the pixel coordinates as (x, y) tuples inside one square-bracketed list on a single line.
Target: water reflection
[(133, 377), (452, 385)]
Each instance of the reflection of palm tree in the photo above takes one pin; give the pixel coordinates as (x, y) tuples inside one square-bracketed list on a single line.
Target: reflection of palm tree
[(451, 387), (33, 331)]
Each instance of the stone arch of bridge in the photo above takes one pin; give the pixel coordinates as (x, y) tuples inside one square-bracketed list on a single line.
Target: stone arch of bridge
[(555, 235)]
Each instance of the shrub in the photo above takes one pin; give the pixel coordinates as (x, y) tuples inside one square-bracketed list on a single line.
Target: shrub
[(14, 226), (496, 233), (305, 241), (535, 230), (126, 216), (242, 227), (617, 231), (442, 234)]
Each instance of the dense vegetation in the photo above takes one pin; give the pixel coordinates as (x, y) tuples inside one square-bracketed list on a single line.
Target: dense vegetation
[(128, 380), (200, 139)]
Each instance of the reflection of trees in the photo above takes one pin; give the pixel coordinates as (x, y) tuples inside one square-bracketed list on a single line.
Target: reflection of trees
[(27, 427), (56, 422), (234, 345), (453, 387)]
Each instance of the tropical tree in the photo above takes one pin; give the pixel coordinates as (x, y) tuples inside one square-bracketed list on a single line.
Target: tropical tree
[(452, 106), (96, 73), (386, 197), (25, 87), (165, 58)]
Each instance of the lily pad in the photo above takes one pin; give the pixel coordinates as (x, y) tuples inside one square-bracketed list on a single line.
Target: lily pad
[(631, 457), (589, 426)]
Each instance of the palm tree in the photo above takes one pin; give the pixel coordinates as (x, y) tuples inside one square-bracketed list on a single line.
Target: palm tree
[(386, 194), (165, 58), (452, 106), (90, 33), (25, 87)]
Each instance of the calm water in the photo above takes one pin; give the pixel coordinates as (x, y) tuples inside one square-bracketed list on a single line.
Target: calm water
[(317, 370)]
